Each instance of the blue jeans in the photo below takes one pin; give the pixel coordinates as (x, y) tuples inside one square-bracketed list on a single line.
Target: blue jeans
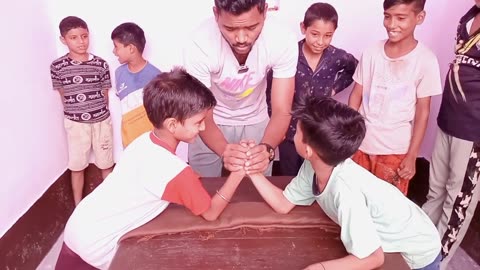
[(435, 265)]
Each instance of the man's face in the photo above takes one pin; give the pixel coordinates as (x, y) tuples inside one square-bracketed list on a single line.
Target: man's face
[(477, 3), (240, 31)]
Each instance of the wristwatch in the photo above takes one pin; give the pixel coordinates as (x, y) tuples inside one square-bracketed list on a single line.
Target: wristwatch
[(270, 151)]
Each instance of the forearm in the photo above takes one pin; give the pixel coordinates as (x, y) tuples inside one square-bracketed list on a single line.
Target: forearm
[(282, 98), (420, 123), (276, 129), (105, 95), (351, 262), (218, 203), (271, 194), (214, 139), (355, 98), (213, 136)]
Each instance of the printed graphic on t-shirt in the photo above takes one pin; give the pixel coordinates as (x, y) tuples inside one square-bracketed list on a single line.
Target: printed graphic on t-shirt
[(239, 87), (83, 84)]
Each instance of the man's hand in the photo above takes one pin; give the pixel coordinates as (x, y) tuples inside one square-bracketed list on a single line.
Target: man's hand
[(406, 170), (258, 158), (235, 156)]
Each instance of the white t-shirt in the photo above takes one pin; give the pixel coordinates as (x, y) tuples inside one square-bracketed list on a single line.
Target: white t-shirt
[(145, 180), (390, 91), (241, 97), (371, 213)]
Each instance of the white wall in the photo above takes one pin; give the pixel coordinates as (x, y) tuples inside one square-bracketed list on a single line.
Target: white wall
[(33, 144), (32, 139)]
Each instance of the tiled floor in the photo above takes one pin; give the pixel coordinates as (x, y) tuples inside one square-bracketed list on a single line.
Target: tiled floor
[(461, 260)]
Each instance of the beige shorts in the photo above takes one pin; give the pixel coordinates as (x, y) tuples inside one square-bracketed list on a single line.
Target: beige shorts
[(82, 137)]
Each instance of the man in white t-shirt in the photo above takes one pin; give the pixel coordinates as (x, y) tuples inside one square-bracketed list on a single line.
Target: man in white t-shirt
[(231, 54)]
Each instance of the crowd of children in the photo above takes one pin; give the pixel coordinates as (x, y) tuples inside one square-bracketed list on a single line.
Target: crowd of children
[(355, 161)]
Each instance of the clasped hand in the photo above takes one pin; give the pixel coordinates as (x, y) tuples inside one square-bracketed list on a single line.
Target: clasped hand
[(247, 156)]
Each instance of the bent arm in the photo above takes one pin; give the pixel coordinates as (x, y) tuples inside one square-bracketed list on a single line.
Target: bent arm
[(282, 98)]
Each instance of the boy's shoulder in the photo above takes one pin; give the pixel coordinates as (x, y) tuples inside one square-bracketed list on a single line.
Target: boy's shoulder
[(338, 52), (375, 48), (97, 59), (349, 177), (425, 51), (60, 61)]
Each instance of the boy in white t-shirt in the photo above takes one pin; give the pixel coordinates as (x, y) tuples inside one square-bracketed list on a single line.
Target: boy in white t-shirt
[(148, 177), (394, 82), (374, 216)]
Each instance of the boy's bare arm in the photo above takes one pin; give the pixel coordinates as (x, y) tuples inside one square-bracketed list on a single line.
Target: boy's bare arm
[(105, 95), (351, 262), (422, 110), (234, 155), (355, 98), (271, 194), (223, 196)]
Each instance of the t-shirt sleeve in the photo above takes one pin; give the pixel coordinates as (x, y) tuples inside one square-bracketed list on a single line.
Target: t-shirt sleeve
[(299, 190), (195, 62), (55, 76), (358, 232), (286, 56), (187, 190), (430, 83)]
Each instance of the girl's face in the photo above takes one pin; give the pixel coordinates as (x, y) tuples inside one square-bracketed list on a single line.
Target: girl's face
[(318, 35)]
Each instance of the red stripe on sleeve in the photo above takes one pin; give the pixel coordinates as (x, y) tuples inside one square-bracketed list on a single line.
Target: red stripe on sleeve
[(187, 190)]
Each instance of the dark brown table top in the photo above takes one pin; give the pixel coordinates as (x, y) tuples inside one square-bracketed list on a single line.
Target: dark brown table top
[(238, 248)]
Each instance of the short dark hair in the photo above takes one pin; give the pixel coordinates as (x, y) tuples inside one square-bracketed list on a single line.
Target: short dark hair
[(333, 130), (130, 33), (69, 23), (237, 7), (175, 94), (320, 11), (419, 5)]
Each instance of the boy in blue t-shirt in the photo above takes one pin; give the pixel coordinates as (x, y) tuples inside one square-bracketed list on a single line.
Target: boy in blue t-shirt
[(130, 78)]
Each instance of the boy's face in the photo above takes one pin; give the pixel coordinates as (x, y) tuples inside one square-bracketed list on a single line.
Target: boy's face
[(121, 51), (77, 40), (300, 146), (318, 35), (188, 131), (400, 21), (240, 31)]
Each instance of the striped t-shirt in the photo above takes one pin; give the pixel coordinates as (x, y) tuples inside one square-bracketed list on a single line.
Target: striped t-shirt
[(82, 84)]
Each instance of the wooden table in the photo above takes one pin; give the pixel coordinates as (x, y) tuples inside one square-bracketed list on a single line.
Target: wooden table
[(240, 247)]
